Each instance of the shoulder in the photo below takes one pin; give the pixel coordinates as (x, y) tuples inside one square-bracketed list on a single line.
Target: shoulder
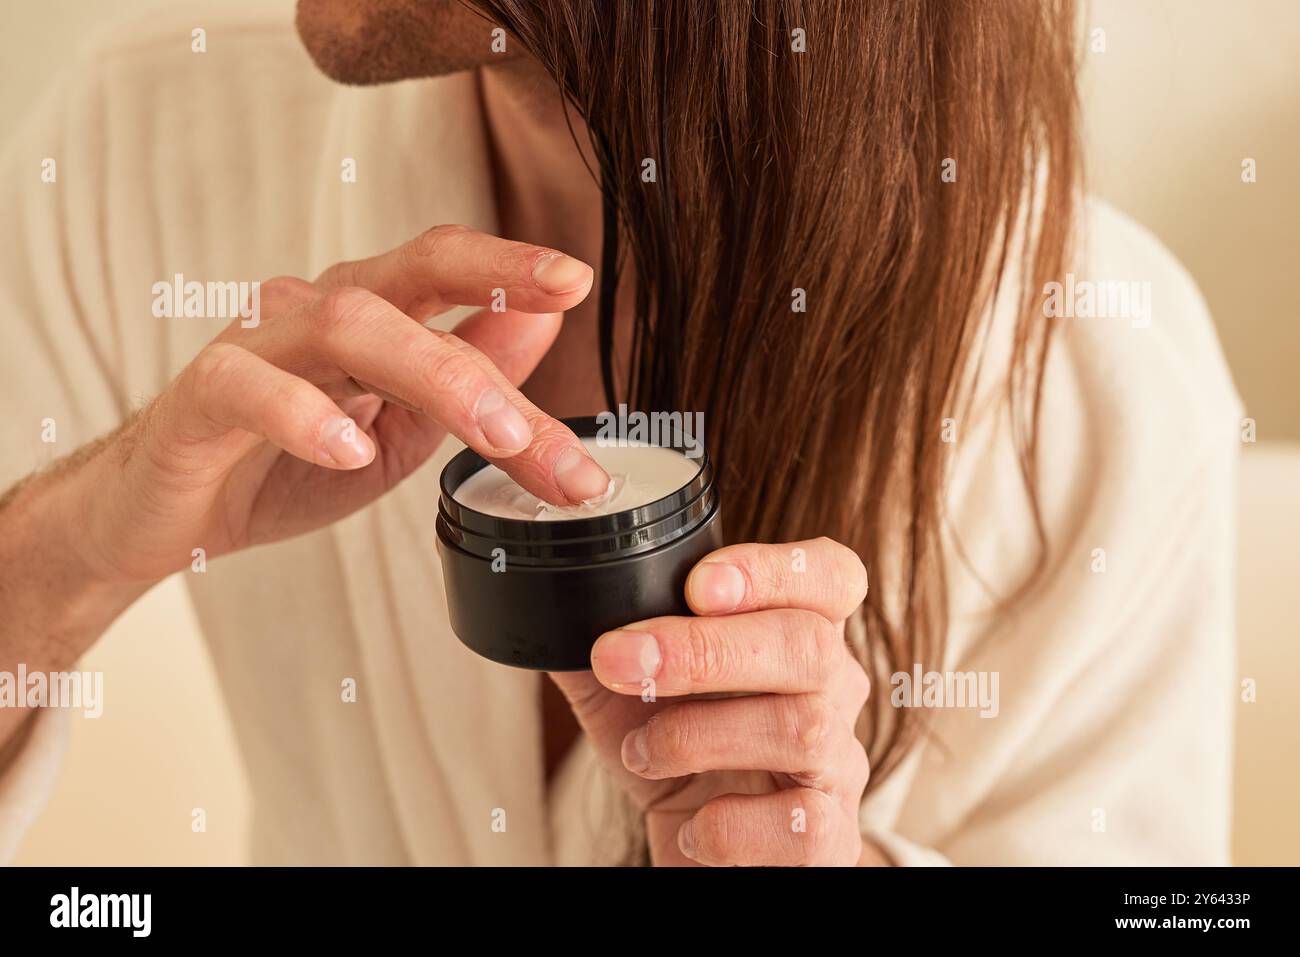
[(1146, 341), (175, 38), (1137, 397), (211, 120), (198, 73), (194, 115), (1139, 424), (174, 140)]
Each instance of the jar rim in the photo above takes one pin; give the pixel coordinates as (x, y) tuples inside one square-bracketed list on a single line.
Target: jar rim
[(625, 532)]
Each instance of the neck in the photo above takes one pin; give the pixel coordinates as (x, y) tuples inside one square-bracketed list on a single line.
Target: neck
[(546, 195)]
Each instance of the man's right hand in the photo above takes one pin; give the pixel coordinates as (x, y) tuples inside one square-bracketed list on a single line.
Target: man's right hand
[(336, 395)]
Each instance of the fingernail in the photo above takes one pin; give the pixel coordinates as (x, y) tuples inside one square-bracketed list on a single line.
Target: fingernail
[(579, 477), (503, 425), (636, 756), (347, 443), (716, 587), (686, 839), (625, 658), (557, 273)]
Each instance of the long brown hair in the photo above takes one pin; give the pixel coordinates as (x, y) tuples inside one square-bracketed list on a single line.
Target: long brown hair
[(876, 155)]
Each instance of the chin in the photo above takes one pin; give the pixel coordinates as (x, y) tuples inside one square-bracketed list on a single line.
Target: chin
[(379, 41)]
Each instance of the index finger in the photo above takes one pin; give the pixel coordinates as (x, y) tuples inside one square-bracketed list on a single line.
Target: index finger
[(456, 265), (451, 382)]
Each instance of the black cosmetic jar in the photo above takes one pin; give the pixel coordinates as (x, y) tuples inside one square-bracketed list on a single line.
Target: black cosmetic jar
[(537, 594)]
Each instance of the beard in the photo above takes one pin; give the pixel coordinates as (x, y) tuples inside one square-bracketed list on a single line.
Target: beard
[(365, 42)]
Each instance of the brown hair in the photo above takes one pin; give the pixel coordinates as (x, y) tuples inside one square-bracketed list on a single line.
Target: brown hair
[(822, 170)]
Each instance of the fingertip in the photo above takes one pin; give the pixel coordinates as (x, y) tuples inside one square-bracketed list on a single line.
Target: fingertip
[(558, 275), (686, 841), (346, 444), (623, 660), (714, 588), (635, 751), (579, 477)]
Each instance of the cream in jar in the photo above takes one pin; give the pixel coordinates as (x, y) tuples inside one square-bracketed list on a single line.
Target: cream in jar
[(639, 475)]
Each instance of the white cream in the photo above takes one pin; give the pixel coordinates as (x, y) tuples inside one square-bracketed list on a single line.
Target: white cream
[(640, 474)]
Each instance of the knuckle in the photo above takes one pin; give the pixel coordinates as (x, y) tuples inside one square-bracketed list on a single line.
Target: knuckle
[(214, 370), (670, 738), (432, 242), (344, 306), (286, 289), (514, 260), (337, 274), (720, 830), (550, 438), (812, 721), (816, 645), (845, 575), (822, 815), (828, 645), (704, 659), (806, 843), (765, 570), (448, 371)]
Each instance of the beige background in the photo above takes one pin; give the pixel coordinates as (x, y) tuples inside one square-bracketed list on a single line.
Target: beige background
[(1185, 90)]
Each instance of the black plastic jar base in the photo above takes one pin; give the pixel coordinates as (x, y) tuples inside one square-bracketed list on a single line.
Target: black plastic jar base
[(548, 618)]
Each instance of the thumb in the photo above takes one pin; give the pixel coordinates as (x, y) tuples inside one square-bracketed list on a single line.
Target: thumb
[(514, 342)]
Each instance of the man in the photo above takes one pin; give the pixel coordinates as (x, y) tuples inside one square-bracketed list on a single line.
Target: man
[(241, 163)]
